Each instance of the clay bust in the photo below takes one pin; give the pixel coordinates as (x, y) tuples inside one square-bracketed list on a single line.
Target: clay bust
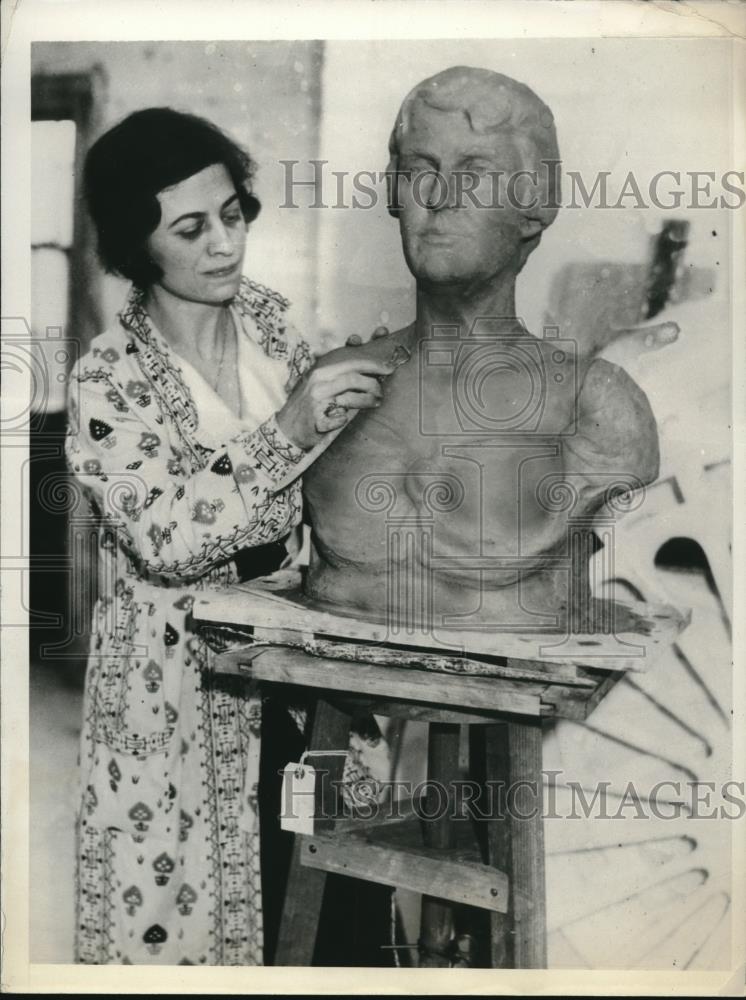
[(465, 501)]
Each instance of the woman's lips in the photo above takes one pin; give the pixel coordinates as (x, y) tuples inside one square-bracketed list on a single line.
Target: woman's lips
[(223, 272)]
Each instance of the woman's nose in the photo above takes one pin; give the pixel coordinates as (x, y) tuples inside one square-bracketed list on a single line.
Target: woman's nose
[(220, 241)]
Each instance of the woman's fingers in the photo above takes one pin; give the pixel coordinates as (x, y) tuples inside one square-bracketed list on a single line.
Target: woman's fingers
[(321, 400), (352, 380), (335, 409), (365, 366), (355, 340), (357, 400), (333, 421), (336, 413)]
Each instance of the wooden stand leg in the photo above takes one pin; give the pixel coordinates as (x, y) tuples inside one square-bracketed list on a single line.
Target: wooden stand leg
[(516, 844), (305, 888), (436, 924)]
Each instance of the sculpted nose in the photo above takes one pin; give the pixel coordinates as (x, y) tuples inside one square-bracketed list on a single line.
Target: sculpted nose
[(441, 190)]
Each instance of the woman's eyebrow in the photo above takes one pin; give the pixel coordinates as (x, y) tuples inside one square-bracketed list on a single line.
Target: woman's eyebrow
[(200, 215)]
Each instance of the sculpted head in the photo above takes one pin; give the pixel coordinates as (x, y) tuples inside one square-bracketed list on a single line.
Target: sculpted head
[(473, 169)]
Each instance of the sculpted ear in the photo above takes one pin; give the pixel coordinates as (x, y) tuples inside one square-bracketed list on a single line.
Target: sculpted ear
[(392, 187), (530, 228)]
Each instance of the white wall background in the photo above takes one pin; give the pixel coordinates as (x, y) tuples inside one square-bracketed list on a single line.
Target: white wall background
[(265, 94)]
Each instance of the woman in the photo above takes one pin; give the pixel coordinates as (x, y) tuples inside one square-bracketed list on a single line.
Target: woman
[(185, 417)]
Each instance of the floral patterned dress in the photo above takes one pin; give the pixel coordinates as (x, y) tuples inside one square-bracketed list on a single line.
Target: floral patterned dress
[(184, 497)]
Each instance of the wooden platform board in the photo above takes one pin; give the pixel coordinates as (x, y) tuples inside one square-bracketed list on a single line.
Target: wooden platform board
[(503, 673), (277, 603)]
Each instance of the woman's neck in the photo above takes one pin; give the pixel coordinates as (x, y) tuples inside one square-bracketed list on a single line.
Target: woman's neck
[(191, 328)]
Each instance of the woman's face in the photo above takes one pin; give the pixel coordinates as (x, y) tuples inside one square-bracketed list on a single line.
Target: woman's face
[(199, 243)]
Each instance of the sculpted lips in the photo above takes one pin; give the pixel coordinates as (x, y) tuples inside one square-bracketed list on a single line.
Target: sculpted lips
[(439, 239)]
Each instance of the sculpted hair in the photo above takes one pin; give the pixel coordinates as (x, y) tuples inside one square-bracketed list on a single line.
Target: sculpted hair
[(127, 166), (491, 103)]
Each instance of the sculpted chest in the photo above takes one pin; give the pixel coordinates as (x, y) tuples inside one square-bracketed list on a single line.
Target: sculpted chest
[(461, 442), (453, 494)]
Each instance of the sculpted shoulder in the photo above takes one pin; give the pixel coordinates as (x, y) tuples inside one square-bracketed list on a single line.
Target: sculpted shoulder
[(614, 412)]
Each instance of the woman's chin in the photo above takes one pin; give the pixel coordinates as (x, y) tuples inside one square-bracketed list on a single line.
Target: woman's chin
[(218, 292), (213, 293), (227, 288)]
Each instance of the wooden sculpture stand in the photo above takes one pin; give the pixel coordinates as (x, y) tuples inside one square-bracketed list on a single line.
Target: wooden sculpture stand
[(506, 699)]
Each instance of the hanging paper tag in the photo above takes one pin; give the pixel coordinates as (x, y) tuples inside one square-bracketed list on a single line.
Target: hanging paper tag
[(298, 798)]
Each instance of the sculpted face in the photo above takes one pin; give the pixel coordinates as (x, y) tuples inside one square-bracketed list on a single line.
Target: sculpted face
[(449, 174), (464, 139)]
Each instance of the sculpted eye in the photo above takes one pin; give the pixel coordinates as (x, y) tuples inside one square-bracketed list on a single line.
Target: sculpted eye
[(415, 166), (479, 167)]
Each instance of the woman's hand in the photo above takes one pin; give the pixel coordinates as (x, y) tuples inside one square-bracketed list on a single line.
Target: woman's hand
[(342, 380), (355, 340)]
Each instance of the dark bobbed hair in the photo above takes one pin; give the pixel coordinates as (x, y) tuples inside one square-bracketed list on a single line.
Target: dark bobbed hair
[(127, 166)]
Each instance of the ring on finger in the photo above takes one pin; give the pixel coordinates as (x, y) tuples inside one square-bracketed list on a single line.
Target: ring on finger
[(334, 409)]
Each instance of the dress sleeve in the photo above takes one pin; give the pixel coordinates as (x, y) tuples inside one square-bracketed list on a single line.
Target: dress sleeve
[(300, 359), (175, 522)]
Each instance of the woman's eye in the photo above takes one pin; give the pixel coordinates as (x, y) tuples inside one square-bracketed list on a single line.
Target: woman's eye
[(233, 219), (190, 234)]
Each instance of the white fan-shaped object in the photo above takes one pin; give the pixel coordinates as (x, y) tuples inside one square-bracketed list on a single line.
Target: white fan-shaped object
[(642, 892)]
